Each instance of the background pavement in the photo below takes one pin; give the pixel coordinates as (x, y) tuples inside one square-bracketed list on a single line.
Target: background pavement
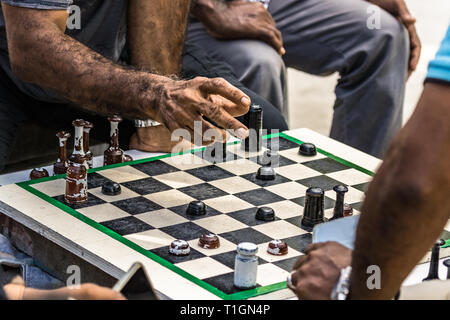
[(311, 98)]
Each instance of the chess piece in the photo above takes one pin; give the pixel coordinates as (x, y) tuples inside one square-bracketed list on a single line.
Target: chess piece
[(89, 155), (113, 154), (78, 155), (110, 188), (348, 210), (339, 206), (447, 264), (196, 208), (253, 121), (245, 266), (307, 150), (265, 214), (127, 158), (61, 165), (179, 248), (38, 173), (266, 173), (76, 183), (434, 262), (314, 208), (277, 248), (209, 241), (270, 158)]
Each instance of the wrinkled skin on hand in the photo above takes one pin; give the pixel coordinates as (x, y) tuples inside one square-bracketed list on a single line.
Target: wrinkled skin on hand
[(317, 272)]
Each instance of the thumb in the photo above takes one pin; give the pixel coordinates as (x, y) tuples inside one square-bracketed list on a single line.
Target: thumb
[(405, 17)]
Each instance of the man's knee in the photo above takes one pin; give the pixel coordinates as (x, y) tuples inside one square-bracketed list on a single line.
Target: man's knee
[(262, 60)]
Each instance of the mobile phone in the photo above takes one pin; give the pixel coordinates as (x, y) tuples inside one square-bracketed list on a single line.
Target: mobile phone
[(341, 230), (135, 284)]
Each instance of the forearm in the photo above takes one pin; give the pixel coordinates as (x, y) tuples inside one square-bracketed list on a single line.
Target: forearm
[(156, 34), (205, 10), (42, 54), (407, 203)]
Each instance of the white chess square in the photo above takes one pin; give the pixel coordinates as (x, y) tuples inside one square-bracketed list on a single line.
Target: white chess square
[(286, 209), (350, 177), (186, 161), (124, 194), (279, 229), (179, 179), (51, 188), (288, 190), (228, 204), (103, 212), (151, 239), (220, 224), (292, 154), (239, 167), (352, 196), (204, 267), (297, 172), (161, 218), (234, 185), (170, 198), (269, 274), (123, 174)]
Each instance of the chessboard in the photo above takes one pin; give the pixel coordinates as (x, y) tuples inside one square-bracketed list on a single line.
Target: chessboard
[(150, 212)]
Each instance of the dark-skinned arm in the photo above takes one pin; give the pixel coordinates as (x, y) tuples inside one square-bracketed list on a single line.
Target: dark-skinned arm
[(407, 198), (42, 54)]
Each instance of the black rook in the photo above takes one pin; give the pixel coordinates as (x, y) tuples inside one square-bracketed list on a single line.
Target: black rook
[(253, 121), (314, 208)]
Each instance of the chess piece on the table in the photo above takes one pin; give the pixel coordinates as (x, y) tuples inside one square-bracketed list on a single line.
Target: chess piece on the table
[(209, 241), (339, 205), (196, 208), (78, 155), (110, 188), (89, 155), (179, 248), (447, 264), (38, 173), (113, 154), (307, 150), (265, 214), (314, 208), (61, 165), (277, 248), (76, 183), (127, 158), (348, 210), (266, 173), (270, 158), (253, 121), (246, 266), (434, 262)]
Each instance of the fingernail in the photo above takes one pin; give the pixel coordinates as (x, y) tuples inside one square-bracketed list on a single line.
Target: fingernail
[(283, 51), (245, 101), (242, 133)]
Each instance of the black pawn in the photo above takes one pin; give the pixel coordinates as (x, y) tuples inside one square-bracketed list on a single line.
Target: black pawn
[(265, 214), (270, 158), (266, 173), (110, 188), (447, 264), (307, 150), (196, 208), (314, 208), (339, 206), (434, 262)]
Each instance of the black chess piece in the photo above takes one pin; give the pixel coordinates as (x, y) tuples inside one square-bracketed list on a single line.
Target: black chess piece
[(307, 150), (266, 173), (447, 264), (339, 206), (313, 213), (270, 158), (265, 214), (196, 208), (110, 188), (253, 120), (434, 262)]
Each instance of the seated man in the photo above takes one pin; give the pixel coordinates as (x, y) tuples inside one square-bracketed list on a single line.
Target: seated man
[(320, 37), (406, 208), (122, 57)]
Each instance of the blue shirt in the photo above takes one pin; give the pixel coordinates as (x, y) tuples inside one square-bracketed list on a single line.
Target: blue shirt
[(439, 68)]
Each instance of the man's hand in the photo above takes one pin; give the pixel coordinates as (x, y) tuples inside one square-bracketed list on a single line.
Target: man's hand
[(317, 272), (181, 103), (239, 20), (399, 10)]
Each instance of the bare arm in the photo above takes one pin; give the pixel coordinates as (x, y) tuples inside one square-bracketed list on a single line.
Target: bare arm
[(407, 203), (42, 54)]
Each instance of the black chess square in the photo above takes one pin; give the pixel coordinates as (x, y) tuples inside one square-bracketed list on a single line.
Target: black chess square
[(96, 180), (324, 182), (280, 144), (155, 168), (224, 282), (328, 202), (246, 235), (128, 225), (282, 161), (185, 231), (299, 243), (259, 197), (92, 201), (265, 183), (287, 265), (163, 252), (362, 186), (247, 217), (210, 173), (216, 156), (357, 206), (136, 205), (181, 210), (146, 186), (325, 165), (203, 191)]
